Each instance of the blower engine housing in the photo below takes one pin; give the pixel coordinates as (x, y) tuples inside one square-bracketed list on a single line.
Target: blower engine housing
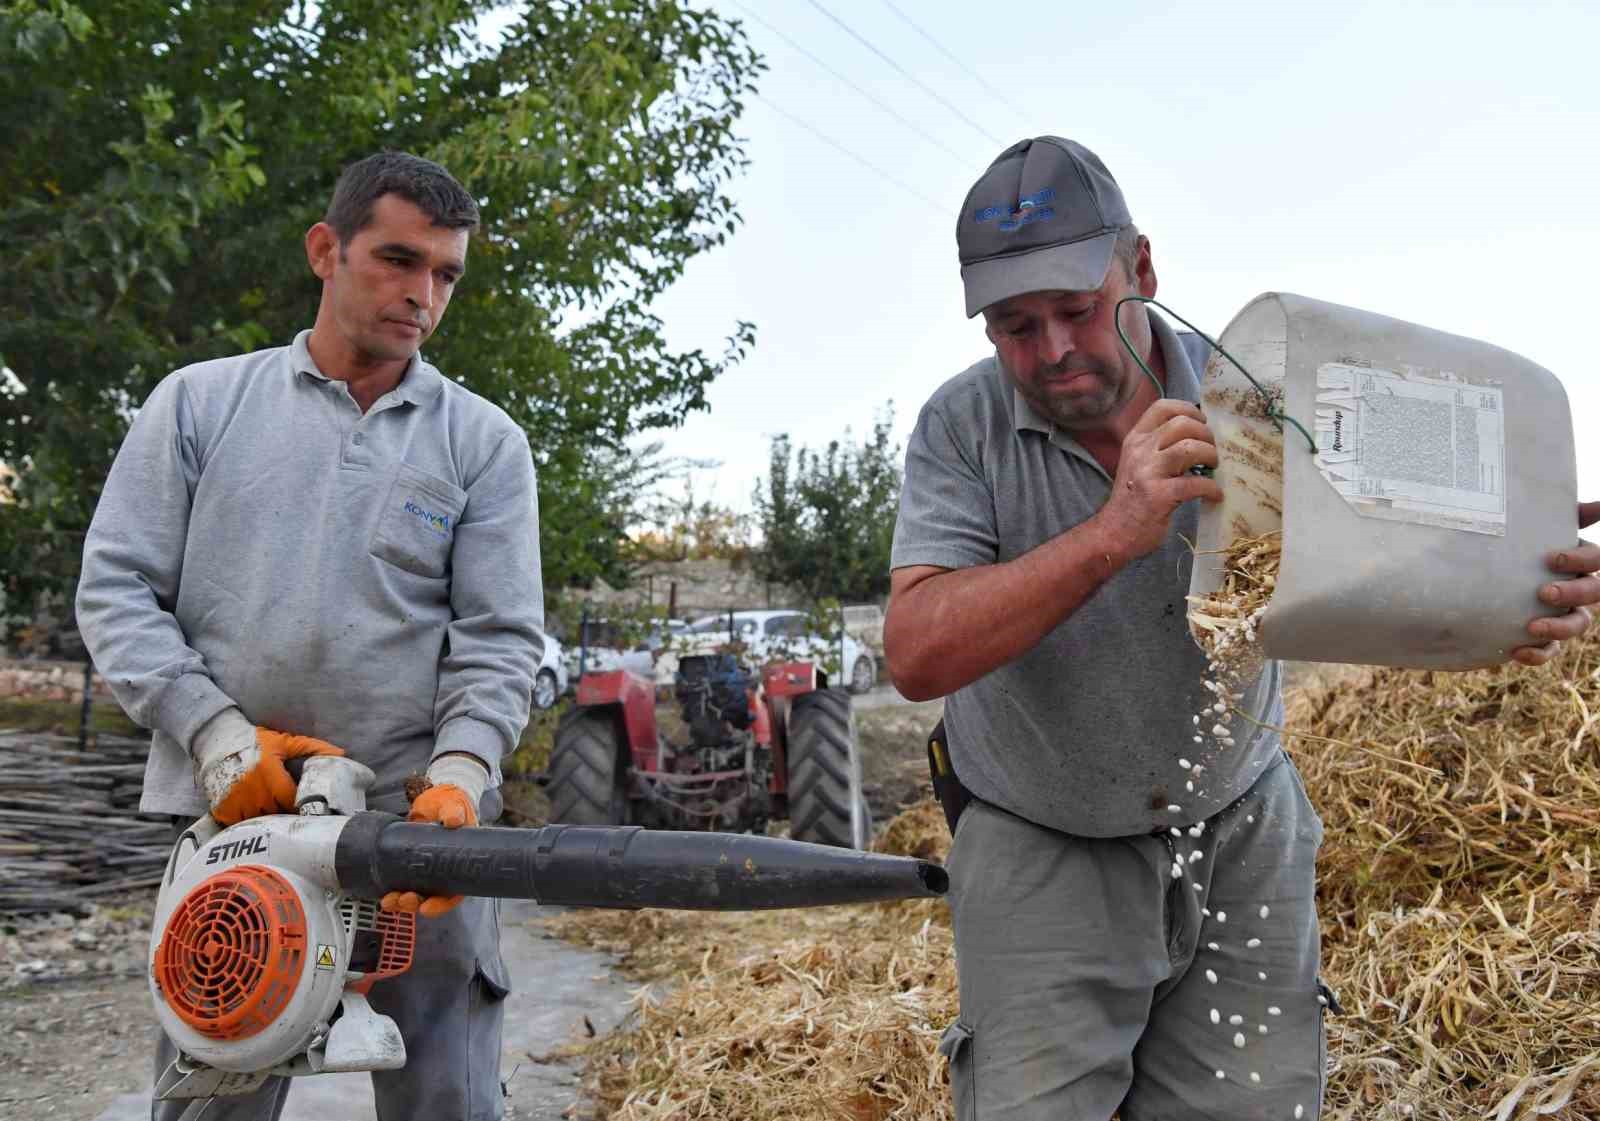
[(260, 964)]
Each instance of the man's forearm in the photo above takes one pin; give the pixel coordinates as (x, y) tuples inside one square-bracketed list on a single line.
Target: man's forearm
[(953, 627)]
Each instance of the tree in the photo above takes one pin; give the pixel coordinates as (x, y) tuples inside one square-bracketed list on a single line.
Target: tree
[(827, 518), (161, 159), (677, 528)]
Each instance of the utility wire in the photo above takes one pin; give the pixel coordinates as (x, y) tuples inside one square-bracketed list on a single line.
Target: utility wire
[(912, 125), (862, 160), (944, 50), (918, 82)]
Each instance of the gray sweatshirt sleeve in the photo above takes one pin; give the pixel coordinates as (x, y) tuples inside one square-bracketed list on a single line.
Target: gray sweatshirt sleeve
[(132, 560), (497, 597)]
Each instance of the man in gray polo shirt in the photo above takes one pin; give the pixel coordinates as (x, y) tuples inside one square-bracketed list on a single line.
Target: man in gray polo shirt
[(1132, 895), (331, 546)]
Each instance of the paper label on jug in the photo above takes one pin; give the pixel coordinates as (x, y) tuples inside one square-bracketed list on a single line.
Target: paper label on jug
[(1413, 447)]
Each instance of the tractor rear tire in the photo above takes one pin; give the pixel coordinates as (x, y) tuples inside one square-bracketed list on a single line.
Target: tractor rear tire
[(588, 775), (826, 805)]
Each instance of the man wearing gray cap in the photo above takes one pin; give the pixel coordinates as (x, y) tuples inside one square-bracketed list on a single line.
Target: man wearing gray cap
[(1133, 931), (1134, 914)]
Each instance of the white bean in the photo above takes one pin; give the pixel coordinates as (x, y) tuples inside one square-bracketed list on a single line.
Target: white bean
[(1265, 910), (1222, 916), (1274, 1011), (1255, 1077), (1216, 1017), (1236, 1019), (1174, 808), (1238, 1039), (1211, 976), (1184, 763), (1253, 943), (1299, 1112)]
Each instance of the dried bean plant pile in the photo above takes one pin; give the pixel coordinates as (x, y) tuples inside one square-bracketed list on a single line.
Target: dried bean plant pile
[(1461, 914)]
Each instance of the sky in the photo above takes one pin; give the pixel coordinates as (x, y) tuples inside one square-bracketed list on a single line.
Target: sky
[(1432, 162)]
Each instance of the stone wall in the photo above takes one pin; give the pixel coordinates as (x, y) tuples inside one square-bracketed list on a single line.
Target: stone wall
[(51, 681), (703, 588)]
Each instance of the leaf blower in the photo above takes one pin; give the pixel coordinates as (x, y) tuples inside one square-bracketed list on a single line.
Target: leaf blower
[(268, 936)]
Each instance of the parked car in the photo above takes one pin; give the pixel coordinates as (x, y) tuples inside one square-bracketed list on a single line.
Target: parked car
[(864, 623), (777, 634), (606, 645), (551, 680)]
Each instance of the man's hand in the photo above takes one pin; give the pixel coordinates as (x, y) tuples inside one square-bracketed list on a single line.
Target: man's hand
[(1153, 476), (458, 781), (241, 767), (1578, 595)]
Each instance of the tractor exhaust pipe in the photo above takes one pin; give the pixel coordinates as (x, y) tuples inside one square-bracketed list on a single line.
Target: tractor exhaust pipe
[(622, 866)]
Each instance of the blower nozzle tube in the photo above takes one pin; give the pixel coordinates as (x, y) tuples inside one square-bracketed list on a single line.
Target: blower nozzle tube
[(621, 866)]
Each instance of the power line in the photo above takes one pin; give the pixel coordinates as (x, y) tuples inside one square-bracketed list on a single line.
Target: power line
[(918, 82), (862, 160), (912, 125), (971, 73)]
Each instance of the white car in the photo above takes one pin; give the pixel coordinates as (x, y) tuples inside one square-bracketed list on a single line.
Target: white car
[(602, 651), (551, 680), (778, 634)]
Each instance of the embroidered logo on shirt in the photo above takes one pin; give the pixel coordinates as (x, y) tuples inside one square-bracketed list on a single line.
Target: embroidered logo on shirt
[(436, 524)]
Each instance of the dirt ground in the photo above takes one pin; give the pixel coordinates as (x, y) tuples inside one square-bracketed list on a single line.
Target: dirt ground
[(75, 1021), (75, 1024)]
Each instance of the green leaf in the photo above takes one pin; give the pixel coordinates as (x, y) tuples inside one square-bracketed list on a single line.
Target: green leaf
[(201, 142)]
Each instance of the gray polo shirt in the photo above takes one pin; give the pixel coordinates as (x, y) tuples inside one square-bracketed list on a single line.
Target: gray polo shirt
[(1083, 733), (372, 580)]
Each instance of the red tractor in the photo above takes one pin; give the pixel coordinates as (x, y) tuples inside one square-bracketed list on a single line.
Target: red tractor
[(778, 745)]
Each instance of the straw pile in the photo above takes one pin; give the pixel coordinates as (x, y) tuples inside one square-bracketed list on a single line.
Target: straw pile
[(1458, 890), (1460, 904)]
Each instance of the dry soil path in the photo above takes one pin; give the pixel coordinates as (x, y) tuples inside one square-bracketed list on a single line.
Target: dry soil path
[(78, 1047)]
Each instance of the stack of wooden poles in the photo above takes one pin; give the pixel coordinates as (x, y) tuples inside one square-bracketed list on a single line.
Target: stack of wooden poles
[(70, 830)]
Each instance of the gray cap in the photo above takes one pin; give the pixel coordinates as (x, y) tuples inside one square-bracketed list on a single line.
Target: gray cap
[(1045, 216)]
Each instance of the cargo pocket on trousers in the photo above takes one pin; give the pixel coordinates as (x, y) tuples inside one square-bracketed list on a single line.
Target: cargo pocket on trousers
[(956, 1046), (1326, 1002), (489, 967), (417, 525), (494, 988)]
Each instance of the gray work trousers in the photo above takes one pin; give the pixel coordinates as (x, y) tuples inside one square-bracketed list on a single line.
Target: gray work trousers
[(449, 1009), (1093, 980)]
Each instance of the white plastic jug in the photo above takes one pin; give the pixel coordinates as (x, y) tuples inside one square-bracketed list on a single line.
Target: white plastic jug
[(1416, 533)]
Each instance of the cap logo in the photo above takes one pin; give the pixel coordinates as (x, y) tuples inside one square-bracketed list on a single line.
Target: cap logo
[(1030, 208)]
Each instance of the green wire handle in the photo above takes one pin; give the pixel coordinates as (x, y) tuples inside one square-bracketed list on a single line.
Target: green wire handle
[(1273, 414)]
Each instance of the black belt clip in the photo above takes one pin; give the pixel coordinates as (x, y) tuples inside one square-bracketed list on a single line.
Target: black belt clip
[(953, 797)]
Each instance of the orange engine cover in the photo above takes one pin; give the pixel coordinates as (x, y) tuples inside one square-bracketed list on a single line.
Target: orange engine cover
[(233, 952)]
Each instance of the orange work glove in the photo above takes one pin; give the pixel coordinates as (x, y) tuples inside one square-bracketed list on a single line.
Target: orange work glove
[(458, 783), (242, 769)]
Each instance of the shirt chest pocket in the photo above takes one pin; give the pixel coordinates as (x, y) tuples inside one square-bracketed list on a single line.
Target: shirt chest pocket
[(417, 524)]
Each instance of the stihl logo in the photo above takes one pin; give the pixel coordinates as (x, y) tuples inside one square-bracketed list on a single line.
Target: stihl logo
[(249, 846)]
